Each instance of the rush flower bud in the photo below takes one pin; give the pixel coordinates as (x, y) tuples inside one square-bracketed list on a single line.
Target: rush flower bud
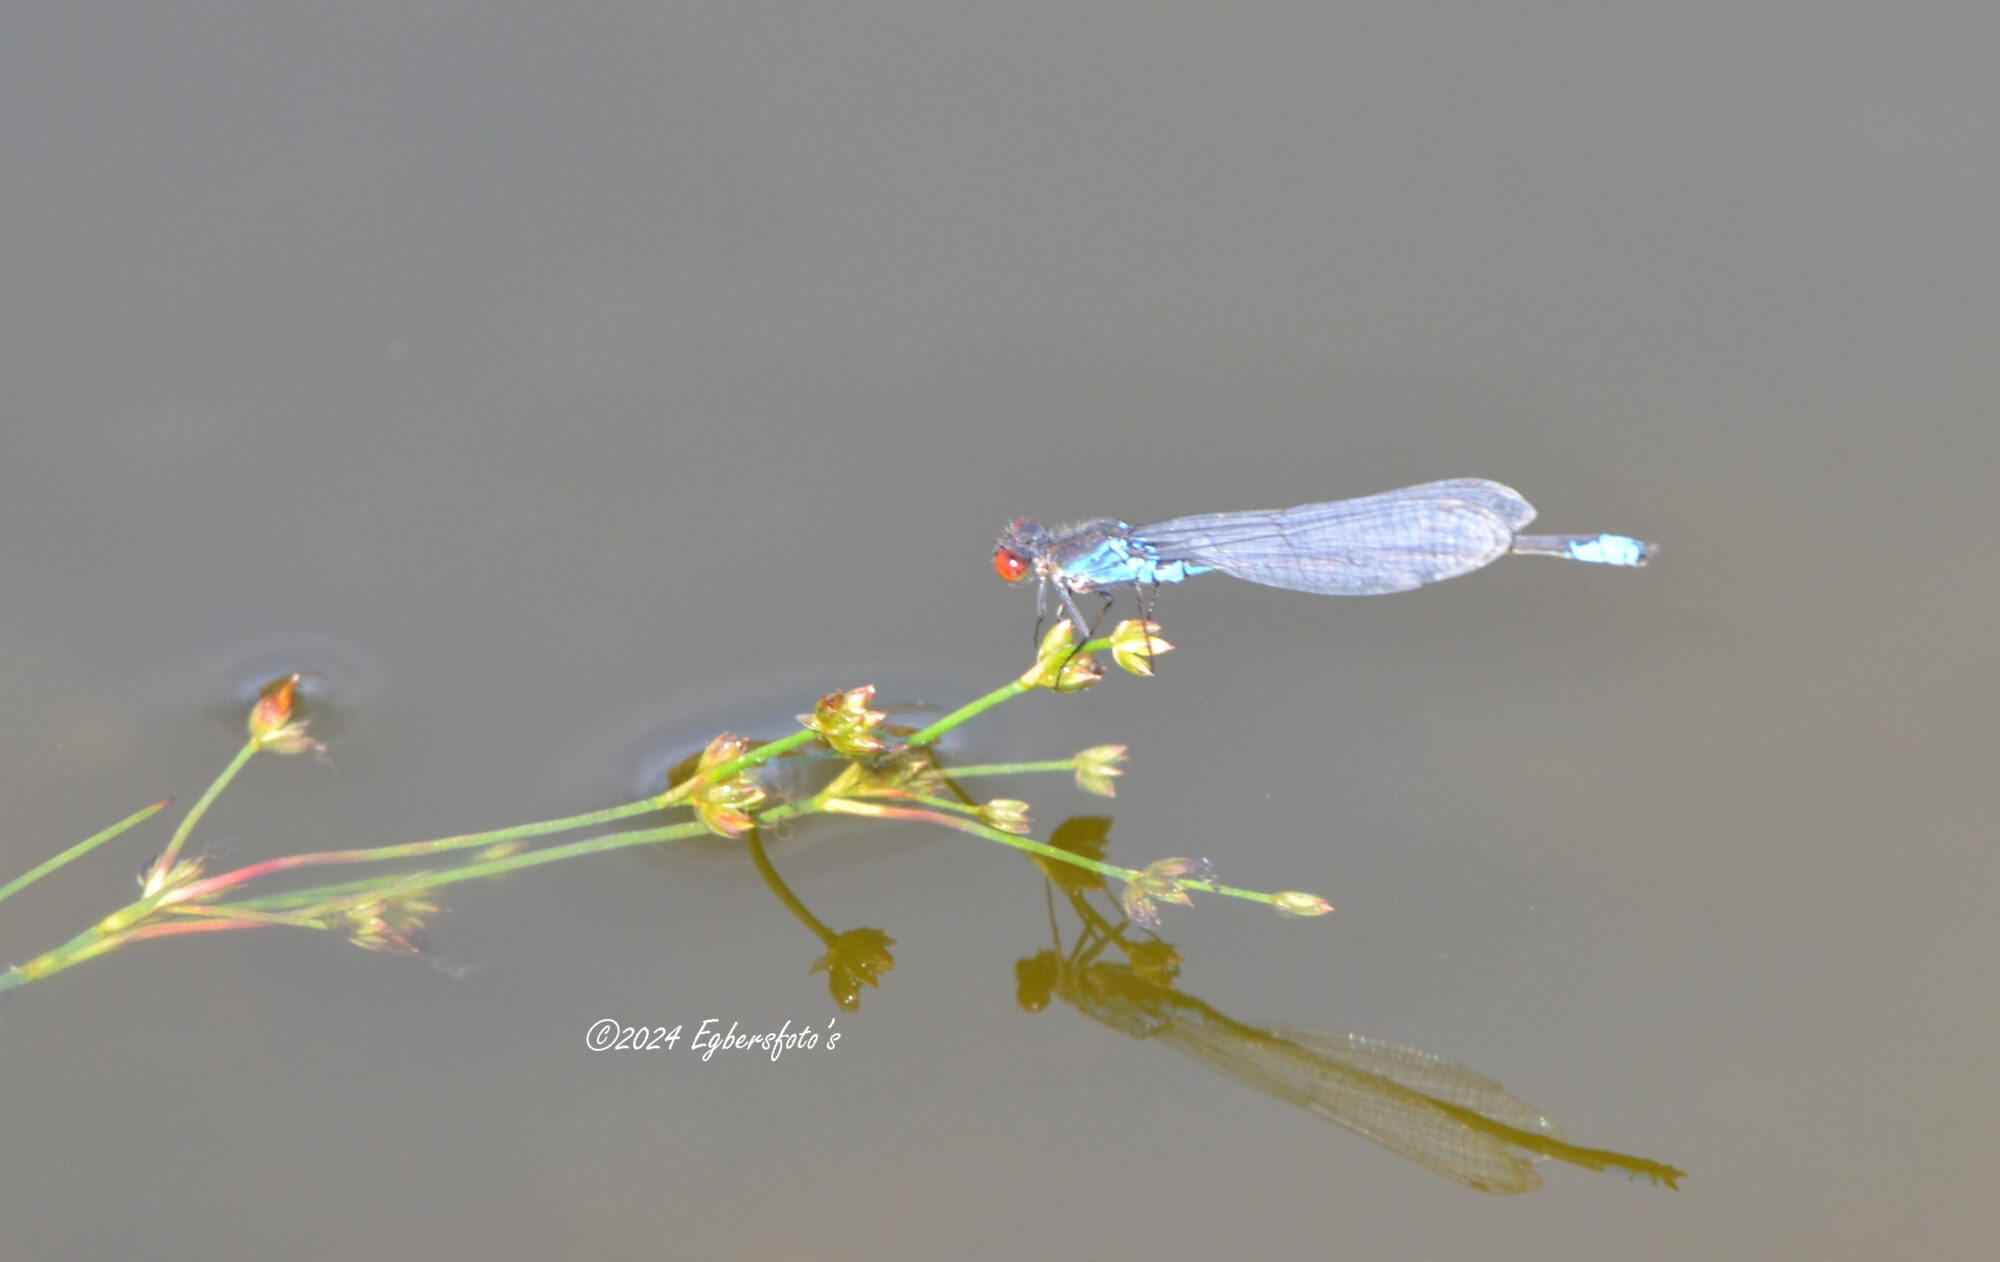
[(274, 706), (1058, 665), (1162, 882), (394, 924), (1299, 903), (1138, 908), (844, 721), (1078, 673), (903, 775), (727, 747), (1097, 767), (152, 880), (1162, 879), (275, 724), (1009, 815), (725, 806), (1134, 645)]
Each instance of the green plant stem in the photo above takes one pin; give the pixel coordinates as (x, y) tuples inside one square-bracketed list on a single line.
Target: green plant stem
[(764, 753), (1010, 768), (553, 854), (193, 905), (1005, 693), (411, 850), (66, 957), (970, 710), (848, 806), (674, 796), (315, 896), (200, 808), (79, 850), (1230, 891)]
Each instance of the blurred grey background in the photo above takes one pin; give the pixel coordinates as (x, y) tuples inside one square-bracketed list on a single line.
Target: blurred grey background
[(563, 385)]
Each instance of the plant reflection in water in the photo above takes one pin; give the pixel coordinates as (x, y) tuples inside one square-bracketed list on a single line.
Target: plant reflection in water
[(1439, 1114)]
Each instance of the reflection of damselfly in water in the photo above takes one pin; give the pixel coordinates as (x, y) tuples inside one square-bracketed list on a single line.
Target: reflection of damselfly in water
[(1389, 542), (1438, 1114)]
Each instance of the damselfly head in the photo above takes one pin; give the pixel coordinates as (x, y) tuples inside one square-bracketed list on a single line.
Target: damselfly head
[(1019, 545), (1010, 565)]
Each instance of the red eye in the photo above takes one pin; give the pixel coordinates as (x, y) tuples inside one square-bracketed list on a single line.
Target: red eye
[(1009, 564)]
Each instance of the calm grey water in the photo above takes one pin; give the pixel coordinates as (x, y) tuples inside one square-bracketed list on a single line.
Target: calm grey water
[(566, 387)]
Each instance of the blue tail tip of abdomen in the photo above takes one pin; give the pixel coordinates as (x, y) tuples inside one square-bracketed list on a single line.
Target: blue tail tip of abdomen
[(1611, 550)]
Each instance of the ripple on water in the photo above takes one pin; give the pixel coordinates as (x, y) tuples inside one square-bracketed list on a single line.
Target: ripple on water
[(338, 682)]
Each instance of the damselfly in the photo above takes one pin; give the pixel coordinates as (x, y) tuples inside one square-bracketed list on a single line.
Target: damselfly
[(1360, 547)]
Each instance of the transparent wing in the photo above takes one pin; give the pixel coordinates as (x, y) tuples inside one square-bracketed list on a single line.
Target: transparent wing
[(1365, 1100), (1434, 1076), (1360, 547)]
